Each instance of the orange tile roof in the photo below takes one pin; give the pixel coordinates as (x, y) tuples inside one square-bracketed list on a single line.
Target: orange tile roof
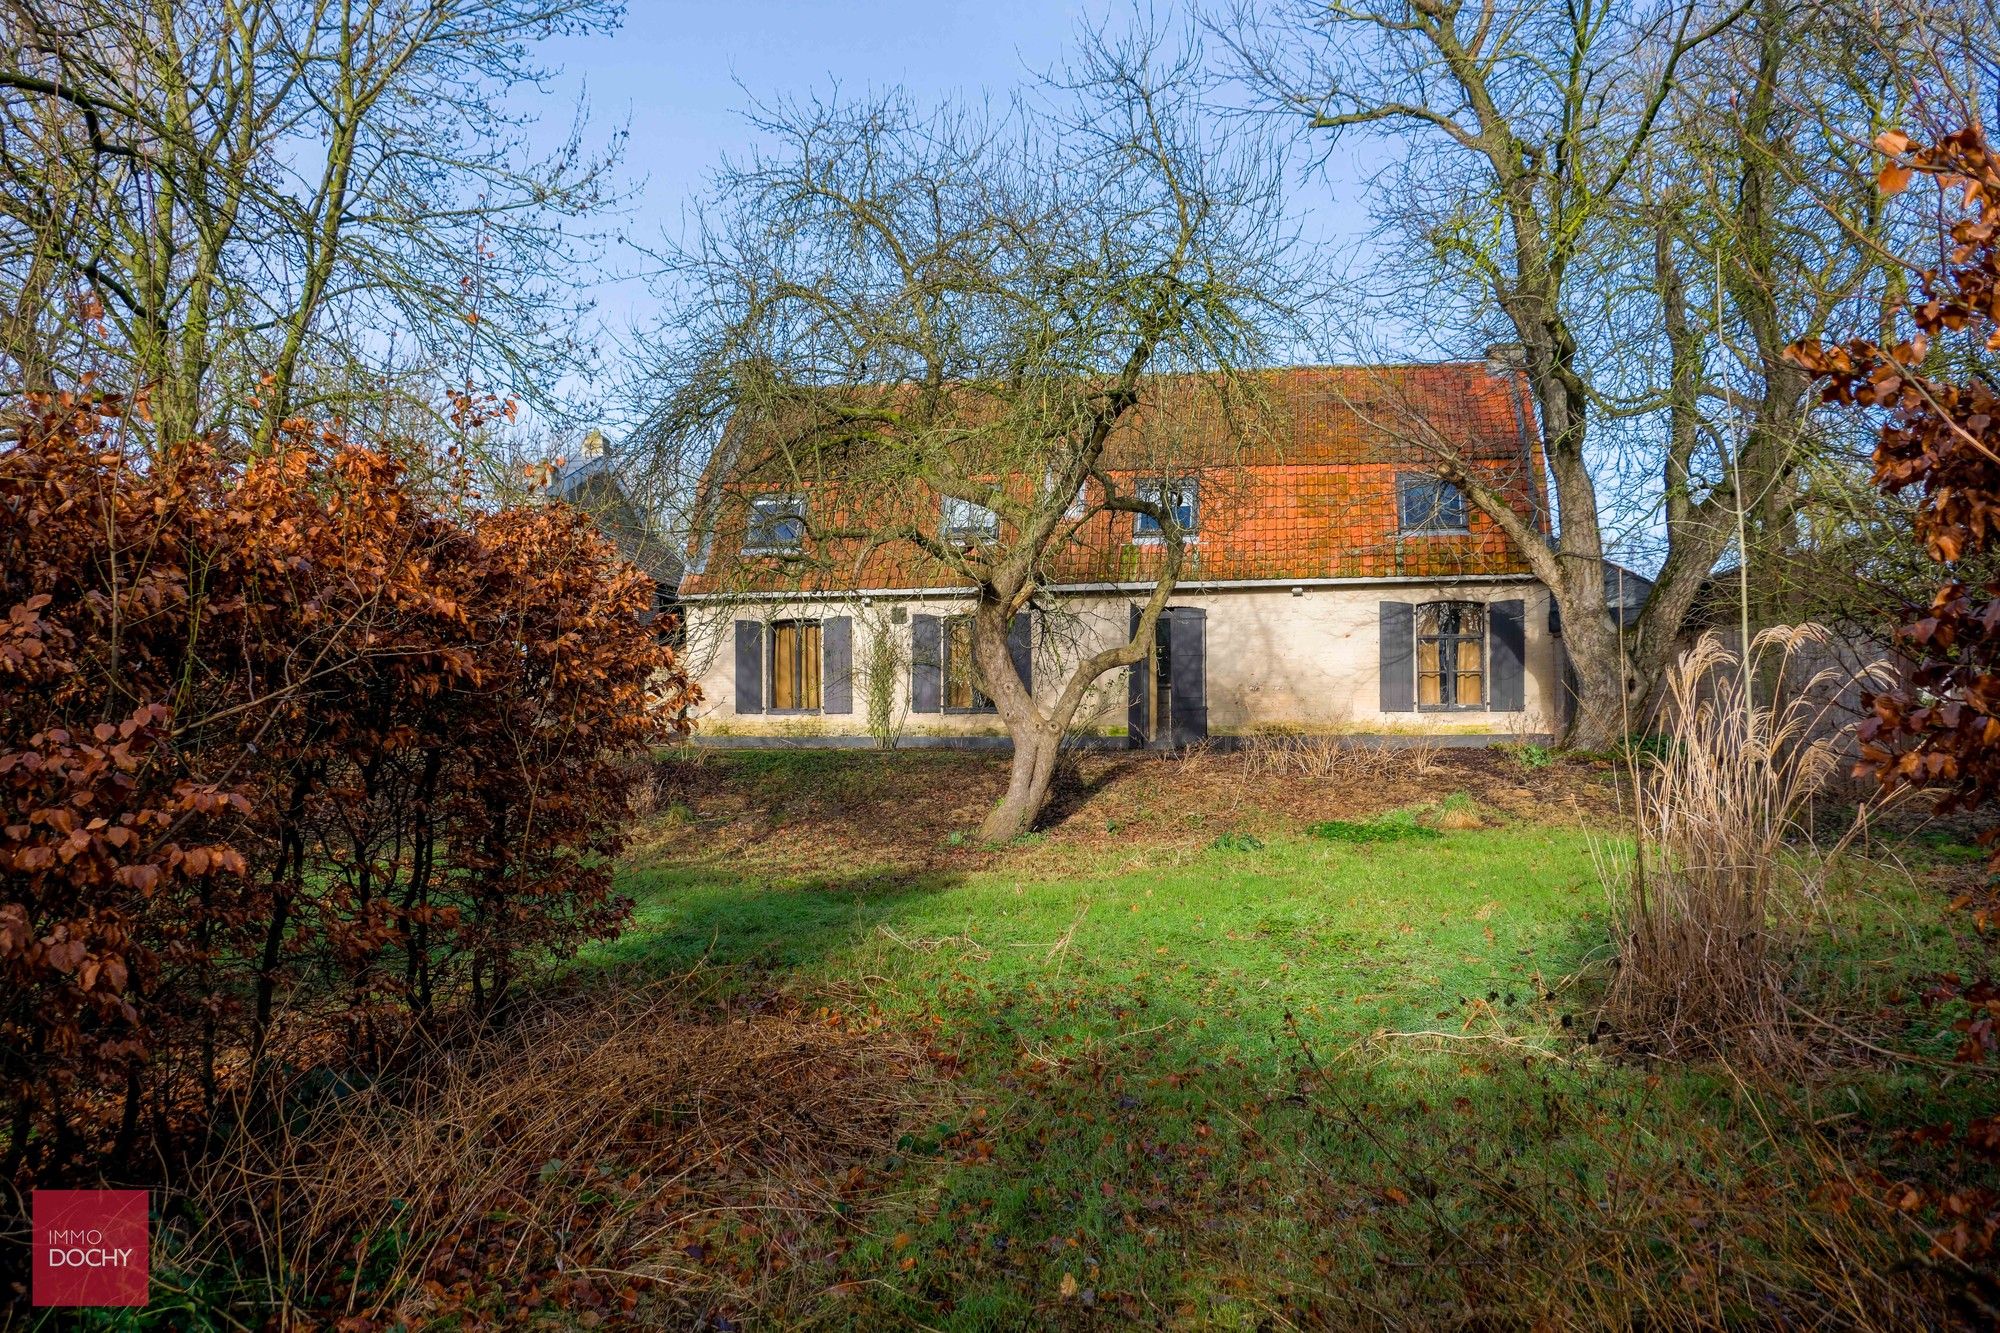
[(1313, 495)]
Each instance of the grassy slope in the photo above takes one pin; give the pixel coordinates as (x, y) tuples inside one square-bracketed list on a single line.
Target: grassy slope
[(1191, 1088)]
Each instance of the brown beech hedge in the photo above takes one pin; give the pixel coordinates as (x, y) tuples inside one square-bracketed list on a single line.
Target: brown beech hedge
[(1937, 396), (299, 754)]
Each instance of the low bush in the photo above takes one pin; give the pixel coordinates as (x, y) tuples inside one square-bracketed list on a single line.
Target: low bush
[(299, 751), (1534, 756)]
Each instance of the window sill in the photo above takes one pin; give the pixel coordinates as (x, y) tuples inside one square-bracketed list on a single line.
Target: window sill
[(1434, 532), (1452, 708), (793, 712), (774, 550), (970, 712), (1154, 539)]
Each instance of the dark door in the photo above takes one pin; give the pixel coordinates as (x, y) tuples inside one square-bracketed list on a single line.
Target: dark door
[(1187, 676), (1167, 703)]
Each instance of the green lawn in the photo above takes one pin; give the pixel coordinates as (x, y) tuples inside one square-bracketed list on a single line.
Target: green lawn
[(1295, 1080)]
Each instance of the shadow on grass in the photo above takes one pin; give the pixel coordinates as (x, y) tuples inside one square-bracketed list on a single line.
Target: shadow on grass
[(1070, 791), (1309, 1085), (703, 915)]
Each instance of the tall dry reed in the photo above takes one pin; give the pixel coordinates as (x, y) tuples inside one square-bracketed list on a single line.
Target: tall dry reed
[(1712, 902)]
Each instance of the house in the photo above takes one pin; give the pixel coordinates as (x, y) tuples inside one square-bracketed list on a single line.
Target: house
[(1333, 583), (595, 483)]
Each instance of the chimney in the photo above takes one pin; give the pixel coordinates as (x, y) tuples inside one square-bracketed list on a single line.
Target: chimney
[(593, 444), (1506, 358)]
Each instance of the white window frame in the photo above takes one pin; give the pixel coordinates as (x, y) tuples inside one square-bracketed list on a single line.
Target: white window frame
[(1405, 480), (1152, 488), (966, 520), (789, 506)]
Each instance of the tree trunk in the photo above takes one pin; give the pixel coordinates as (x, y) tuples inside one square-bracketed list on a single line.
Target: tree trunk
[(1601, 718), (1600, 653), (1619, 669), (1035, 752)]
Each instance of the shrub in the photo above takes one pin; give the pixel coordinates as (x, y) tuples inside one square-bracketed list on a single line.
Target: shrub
[(1940, 432), (296, 750), (1534, 756)]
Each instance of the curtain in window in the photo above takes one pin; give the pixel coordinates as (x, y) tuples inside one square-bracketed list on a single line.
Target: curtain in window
[(961, 686), (1430, 678), (1469, 687), (1451, 655), (795, 664)]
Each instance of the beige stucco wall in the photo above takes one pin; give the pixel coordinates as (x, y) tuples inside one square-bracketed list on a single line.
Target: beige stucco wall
[(1277, 662)]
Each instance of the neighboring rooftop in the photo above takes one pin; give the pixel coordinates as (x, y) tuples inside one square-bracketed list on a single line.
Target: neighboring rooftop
[(594, 482)]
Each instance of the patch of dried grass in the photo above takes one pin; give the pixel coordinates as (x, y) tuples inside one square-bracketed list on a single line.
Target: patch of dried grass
[(1200, 759), (1749, 1215), (609, 1152), (1341, 758)]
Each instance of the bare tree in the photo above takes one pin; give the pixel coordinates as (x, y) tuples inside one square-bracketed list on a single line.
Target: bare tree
[(903, 312), (244, 209), (1650, 202)]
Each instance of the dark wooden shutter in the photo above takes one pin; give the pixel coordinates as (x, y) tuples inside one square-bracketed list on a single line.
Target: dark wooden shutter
[(1509, 645), (1399, 651), (1187, 655), (749, 666), (926, 659), (836, 655), (1139, 680), (1021, 647)]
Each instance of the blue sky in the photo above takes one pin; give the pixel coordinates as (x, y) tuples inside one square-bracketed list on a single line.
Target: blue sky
[(681, 73)]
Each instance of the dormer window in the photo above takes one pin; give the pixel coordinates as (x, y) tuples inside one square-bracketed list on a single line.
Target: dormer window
[(777, 525), (1429, 504), (966, 522), (1178, 497)]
